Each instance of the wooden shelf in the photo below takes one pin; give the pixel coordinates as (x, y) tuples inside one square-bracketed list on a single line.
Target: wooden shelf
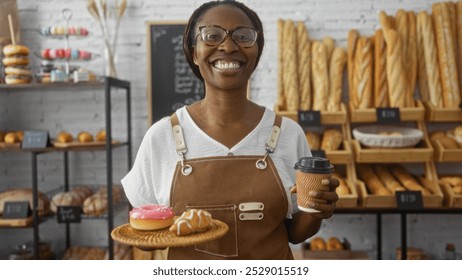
[(434, 114), (340, 117), (369, 115)]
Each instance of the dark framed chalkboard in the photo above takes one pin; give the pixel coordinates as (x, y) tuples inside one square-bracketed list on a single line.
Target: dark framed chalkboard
[(171, 82)]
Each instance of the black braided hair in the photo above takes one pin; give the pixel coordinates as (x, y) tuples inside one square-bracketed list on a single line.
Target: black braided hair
[(189, 35)]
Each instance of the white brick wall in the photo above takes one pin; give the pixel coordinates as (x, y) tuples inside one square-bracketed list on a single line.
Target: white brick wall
[(76, 111)]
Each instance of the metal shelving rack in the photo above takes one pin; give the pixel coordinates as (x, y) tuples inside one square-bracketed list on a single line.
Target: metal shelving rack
[(107, 84)]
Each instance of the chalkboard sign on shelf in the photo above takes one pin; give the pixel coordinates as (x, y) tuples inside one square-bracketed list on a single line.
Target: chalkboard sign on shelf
[(171, 82)]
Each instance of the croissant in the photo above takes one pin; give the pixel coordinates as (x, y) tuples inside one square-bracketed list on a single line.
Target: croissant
[(191, 221)]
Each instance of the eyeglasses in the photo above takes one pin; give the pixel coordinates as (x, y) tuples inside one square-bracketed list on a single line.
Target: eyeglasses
[(214, 35)]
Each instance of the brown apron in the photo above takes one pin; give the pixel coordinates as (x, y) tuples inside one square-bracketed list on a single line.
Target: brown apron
[(245, 192)]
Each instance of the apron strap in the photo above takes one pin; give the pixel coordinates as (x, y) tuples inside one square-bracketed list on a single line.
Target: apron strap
[(274, 136), (180, 144)]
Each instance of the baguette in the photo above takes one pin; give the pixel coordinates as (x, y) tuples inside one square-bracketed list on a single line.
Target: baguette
[(446, 55), (407, 180), (380, 74), (422, 77), (425, 25), (330, 46), (331, 140), (314, 140), (281, 102), (411, 58), (353, 36), (459, 41), (304, 66), (372, 181), (290, 78), (395, 76), (362, 79), (387, 178), (336, 67), (385, 21), (320, 76)]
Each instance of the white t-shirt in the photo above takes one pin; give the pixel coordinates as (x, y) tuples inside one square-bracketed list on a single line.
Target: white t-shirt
[(150, 179)]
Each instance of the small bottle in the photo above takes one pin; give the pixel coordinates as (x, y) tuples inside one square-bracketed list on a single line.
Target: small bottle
[(450, 252)]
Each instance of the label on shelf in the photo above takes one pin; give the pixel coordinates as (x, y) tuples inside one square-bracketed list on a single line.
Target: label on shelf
[(16, 210), (69, 214), (388, 115), (35, 139), (309, 118), (409, 200)]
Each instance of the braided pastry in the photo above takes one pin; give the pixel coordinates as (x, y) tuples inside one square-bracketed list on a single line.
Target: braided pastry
[(191, 221)]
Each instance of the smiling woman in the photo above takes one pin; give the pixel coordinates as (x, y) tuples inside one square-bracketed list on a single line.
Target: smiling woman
[(226, 154)]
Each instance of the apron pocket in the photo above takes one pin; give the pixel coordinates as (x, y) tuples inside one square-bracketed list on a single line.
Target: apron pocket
[(225, 246)]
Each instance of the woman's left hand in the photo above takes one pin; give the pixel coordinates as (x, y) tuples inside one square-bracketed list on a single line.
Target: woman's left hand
[(330, 196)]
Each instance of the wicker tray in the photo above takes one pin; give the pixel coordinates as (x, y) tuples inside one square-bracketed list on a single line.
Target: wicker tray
[(164, 238)]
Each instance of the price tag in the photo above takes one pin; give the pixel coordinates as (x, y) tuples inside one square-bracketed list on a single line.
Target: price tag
[(409, 200), (16, 210), (34, 139), (69, 214), (309, 118), (388, 115), (318, 153)]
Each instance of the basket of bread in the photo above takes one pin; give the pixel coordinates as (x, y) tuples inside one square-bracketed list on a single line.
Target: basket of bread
[(387, 136)]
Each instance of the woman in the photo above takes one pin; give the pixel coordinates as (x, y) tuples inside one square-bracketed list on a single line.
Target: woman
[(223, 153)]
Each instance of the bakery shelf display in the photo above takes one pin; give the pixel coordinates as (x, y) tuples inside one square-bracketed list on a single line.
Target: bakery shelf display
[(106, 211), (434, 114), (365, 115), (452, 190)]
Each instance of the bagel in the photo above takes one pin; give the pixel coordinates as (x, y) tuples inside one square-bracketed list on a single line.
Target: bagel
[(10, 50), (15, 60), (18, 71), (17, 80)]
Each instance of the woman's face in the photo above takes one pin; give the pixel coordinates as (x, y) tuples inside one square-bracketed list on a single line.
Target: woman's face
[(225, 66)]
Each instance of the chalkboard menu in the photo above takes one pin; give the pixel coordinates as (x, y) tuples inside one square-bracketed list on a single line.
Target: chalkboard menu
[(171, 82)]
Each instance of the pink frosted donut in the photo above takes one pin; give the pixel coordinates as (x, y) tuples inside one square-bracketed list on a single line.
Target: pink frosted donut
[(151, 217)]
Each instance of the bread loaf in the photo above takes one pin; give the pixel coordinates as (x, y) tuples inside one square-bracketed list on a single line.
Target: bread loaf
[(336, 67), (380, 71), (314, 140), (331, 140), (411, 58), (446, 55), (372, 181), (320, 76), (362, 78), (395, 71), (385, 21), (448, 143), (24, 194), (387, 178), (459, 41), (318, 244), (304, 66), (402, 25), (342, 188), (290, 73), (422, 78), (353, 36), (333, 244), (64, 137), (281, 103), (95, 205), (69, 198), (407, 180), (85, 137), (329, 43)]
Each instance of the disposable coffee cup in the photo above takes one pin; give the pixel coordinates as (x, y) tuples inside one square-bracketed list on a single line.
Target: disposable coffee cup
[(309, 173)]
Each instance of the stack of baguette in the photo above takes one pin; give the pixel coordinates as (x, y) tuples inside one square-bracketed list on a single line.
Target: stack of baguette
[(388, 179), (310, 71)]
